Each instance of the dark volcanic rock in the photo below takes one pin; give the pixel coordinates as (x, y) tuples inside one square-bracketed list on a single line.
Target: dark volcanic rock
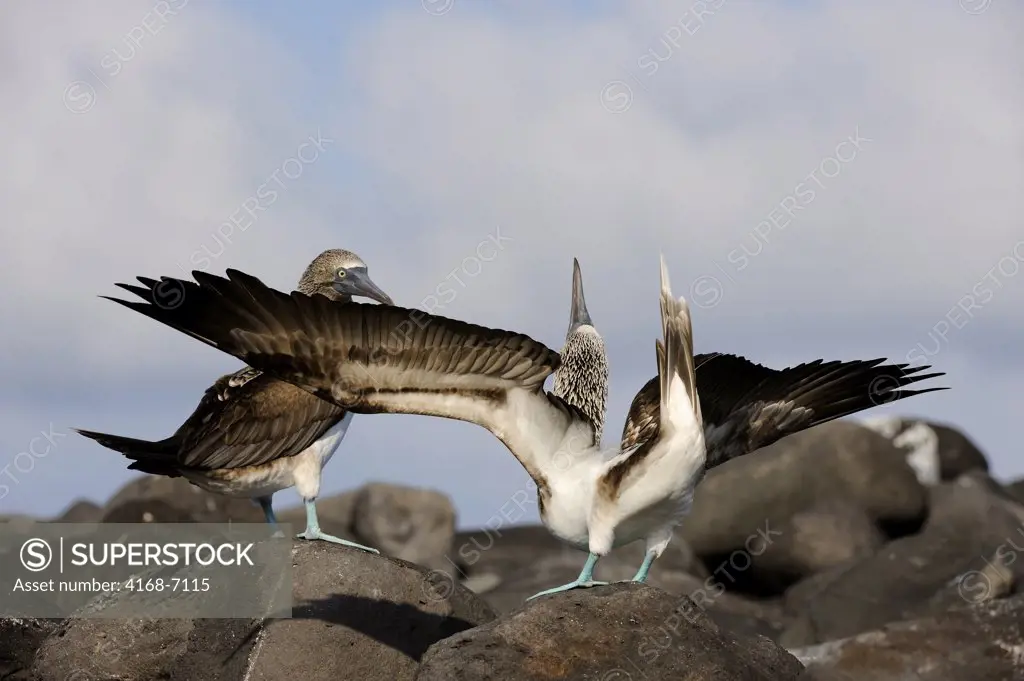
[(147, 511), (830, 533), (938, 452), (734, 612), (81, 511), (356, 616), (504, 551), (564, 564), (971, 535), (195, 503), (623, 631), (516, 562), (1016, 490), (757, 493), (979, 643), (413, 524), (20, 638)]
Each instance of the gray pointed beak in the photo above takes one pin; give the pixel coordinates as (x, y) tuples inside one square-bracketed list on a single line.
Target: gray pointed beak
[(578, 315), (359, 284)]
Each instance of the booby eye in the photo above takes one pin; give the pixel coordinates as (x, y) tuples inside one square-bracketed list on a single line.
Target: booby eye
[(340, 273)]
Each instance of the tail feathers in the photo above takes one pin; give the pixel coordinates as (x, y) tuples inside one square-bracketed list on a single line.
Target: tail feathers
[(675, 354), (158, 457)]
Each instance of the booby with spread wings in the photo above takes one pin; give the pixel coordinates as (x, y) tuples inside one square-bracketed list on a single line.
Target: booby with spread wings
[(383, 359), (253, 435)]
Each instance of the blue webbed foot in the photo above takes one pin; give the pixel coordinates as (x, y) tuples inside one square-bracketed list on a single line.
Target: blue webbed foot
[(568, 587), (315, 533), (584, 581)]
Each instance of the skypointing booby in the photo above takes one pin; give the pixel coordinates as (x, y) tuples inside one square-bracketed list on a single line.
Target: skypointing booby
[(582, 375), (253, 435), (371, 359)]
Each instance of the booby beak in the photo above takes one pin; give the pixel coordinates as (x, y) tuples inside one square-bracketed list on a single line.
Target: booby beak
[(358, 283), (578, 316)]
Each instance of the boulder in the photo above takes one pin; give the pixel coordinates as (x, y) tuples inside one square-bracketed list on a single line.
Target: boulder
[(81, 511), (410, 523), (937, 452), (20, 638), (978, 643), (563, 565), (510, 561), (417, 525), (734, 612), (828, 534), (197, 504), (503, 551), (743, 502), (617, 632), (147, 511), (1016, 490), (957, 558), (356, 615)]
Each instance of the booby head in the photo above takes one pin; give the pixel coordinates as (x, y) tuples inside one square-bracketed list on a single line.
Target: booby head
[(341, 275), (582, 375), (578, 315)]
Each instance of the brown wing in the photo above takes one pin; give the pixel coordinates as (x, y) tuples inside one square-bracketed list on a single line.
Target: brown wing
[(380, 358), (249, 418), (747, 406)]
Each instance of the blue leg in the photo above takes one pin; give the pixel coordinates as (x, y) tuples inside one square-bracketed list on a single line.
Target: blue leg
[(641, 574), (267, 504), (582, 582), (313, 530)]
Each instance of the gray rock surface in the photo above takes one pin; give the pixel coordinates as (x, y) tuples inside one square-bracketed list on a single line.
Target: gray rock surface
[(611, 633), (956, 559), (417, 525), (20, 638), (828, 534), (978, 643), (1016, 490), (410, 523), (835, 461), (198, 505), (356, 616), (81, 511), (510, 561)]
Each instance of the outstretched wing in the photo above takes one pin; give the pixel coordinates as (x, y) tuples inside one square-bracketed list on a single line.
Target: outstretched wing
[(747, 406), (378, 358)]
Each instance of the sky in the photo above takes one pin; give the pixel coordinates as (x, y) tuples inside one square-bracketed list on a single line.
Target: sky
[(828, 179)]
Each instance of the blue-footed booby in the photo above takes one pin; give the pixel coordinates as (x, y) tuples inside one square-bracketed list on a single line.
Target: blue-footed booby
[(384, 359), (253, 435)]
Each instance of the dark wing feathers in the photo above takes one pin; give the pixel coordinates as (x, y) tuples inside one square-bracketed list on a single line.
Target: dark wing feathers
[(261, 420), (378, 358), (747, 406), (349, 353), (244, 419)]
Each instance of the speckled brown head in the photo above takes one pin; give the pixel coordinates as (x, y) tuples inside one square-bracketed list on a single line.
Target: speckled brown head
[(340, 275)]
